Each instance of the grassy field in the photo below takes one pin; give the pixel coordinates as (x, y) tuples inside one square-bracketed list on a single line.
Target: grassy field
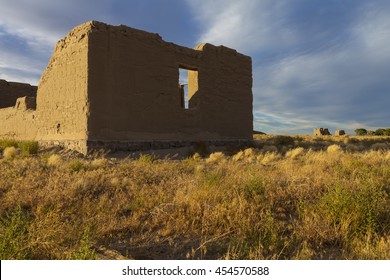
[(284, 198)]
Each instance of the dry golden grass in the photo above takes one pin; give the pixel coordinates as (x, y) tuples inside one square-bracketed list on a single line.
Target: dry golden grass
[(302, 199)]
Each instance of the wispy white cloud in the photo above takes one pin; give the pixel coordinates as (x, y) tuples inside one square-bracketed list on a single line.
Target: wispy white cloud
[(245, 25), (320, 62), (30, 29), (46, 21)]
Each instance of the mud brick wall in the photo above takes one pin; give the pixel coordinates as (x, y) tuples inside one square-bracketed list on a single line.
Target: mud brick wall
[(62, 101), (18, 124), (133, 88), (10, 91)]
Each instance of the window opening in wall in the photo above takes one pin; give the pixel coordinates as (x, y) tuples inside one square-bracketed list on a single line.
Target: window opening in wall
[(188, 86), (183, 87)]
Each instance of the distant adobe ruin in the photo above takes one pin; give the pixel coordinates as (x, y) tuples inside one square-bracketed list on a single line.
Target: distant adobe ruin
[(117, 87), (324, 131), (321, 131)]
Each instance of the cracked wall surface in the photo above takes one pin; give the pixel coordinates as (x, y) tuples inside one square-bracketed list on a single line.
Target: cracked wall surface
[(115, 84)]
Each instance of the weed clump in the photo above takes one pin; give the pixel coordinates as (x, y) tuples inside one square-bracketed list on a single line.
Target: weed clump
[(77, 165), (28, 147), (14, 243)]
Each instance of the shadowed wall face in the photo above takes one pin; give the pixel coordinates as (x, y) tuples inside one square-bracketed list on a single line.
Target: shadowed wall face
[(10, 92), (134, 93)]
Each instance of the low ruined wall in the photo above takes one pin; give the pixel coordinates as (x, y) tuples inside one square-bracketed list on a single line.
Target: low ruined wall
[(10, 91), (18, 124)]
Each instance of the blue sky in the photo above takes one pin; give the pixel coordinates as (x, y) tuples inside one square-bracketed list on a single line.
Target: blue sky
[(316, 63)]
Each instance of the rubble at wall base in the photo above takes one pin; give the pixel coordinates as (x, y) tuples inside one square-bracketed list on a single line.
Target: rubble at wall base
[(131, 146)]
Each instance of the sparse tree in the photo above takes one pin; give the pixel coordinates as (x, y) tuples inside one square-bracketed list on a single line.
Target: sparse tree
[(380, 132), (361, 131)]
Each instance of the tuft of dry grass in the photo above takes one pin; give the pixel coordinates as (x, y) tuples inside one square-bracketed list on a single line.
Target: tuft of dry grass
[(54, 160), (334, 149), (295, 153), (99, 163), (10, 152), (216, 157)]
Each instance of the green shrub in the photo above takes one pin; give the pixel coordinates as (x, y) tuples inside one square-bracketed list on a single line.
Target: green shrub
[(284, 140), (28, 147), (85, 250), (77, 165), (5, 143), (14, 237)]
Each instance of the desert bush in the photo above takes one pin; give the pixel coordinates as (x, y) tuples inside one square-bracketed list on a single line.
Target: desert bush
[(4, 143), (77, 165), (281, 140), (28, 147), (14, 243), (85, 250)]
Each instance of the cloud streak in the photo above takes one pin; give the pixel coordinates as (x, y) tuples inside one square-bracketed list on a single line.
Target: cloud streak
[(322, 63)]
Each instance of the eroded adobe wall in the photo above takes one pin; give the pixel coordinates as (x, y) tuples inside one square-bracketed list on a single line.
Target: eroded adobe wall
[(62, 93), (18, 124), (133, 89), (225, 92), (10, 91), (17, 110)]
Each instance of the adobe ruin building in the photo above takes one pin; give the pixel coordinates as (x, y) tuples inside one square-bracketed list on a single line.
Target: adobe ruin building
[(321, 131), (117, 87)]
